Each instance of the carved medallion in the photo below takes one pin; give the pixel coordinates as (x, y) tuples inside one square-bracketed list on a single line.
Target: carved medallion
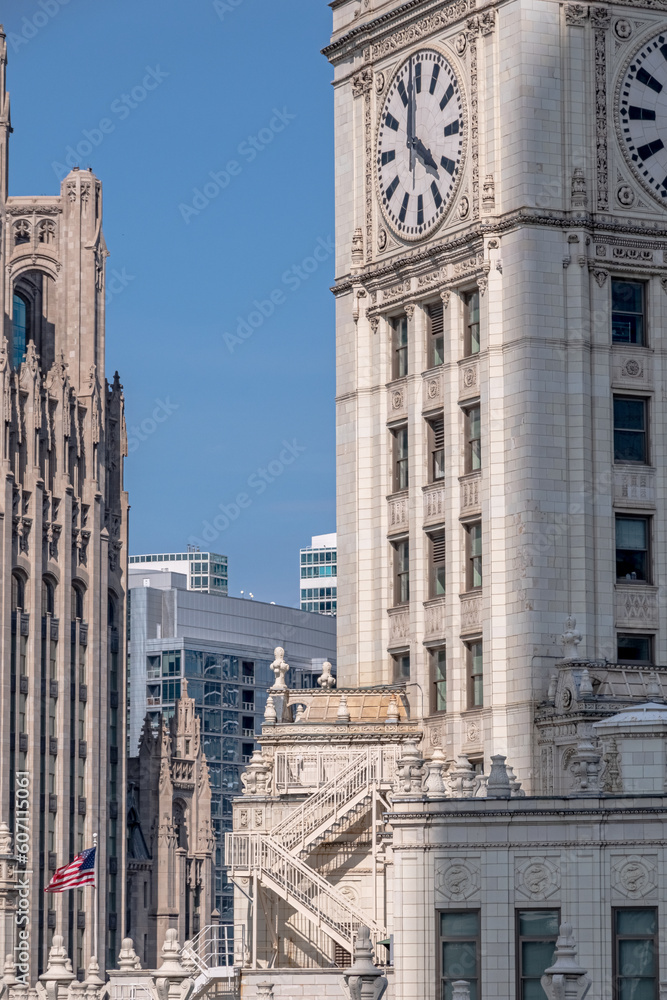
[(457, 880), (634, 876), (536, 878)]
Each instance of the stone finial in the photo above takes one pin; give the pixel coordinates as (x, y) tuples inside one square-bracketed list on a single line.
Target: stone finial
[(343, 713), (326, 680), (461, 778), (392, 712), (300, 713), (93, 979), (498, 785), (127, 959), (515, 785), (279, 668), (653, 691), (585, 684), (409, 770), (270, 714), (171, 956), (461, 989), (9, 971), (434, 783), (565, 979), (56, 966), (570, 639), (363, 979)]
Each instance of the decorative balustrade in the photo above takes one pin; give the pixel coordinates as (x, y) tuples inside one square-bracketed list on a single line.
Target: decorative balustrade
[(298, 772)]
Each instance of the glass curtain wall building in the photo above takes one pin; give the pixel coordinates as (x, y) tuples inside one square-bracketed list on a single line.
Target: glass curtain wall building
[(224, 648), (318, 582)]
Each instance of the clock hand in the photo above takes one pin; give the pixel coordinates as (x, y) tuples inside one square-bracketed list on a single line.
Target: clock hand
[(424, 154), (411, 122)]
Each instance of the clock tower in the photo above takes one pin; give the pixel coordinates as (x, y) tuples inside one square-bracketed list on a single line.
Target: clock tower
[(501, 300)]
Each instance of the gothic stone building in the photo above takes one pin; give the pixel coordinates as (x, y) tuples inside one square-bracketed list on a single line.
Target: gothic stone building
[(63, 553), (501, 270), (170, 836)]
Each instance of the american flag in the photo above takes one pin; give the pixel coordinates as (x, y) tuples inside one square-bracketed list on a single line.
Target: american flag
[(80, 871)]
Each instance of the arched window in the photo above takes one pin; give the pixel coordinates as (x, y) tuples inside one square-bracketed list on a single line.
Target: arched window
[(18, 592), (20, 328), (77, 601), (48, 597)]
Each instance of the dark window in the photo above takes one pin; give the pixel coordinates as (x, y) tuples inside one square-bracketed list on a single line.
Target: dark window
[(401, 668), (475, 674), (248, 670), (439, 675), (459, 951), (400, 436), (401, 572), (635, 972), (537, 932), (630, 424), (471, 304), (474, 554), (20, 332), (632, 549), (627, 312), (436, 340), (436, 448), (77, 602), (400, 347), (635, 648), (437, 564), (18, 593), (473, 456), (48, 598)]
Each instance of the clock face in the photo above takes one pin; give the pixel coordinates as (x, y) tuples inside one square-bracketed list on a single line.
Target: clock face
[(642, 109), (420, 144)]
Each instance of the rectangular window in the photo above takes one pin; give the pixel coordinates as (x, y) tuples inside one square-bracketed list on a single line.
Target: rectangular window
[(459, 951), (627, 312), (536, 934), (437, 564), (632, 549), (471, 318), (475, 674), (401, 668), (635, 970), (474, 555), (400, 447), (402, 572), (634, 648), (630, 425), (400, 347), (473, 458), (436, 450), (436, 338), (439, 675)]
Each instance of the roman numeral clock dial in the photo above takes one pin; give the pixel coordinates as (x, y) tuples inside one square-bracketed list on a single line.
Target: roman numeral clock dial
[(420, 145), (642, 110)]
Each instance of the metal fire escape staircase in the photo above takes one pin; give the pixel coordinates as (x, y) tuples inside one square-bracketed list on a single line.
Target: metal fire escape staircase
[(277, 859)]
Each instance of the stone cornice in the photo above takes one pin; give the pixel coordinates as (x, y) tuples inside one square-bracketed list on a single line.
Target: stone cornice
[(389, 21), (599, 229)]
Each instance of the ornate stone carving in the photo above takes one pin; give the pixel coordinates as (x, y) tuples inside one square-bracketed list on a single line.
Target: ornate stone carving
[(379, 82), (633, 368), (398, 513), (279, 668), (398, 399), (471, 613), (433, 388), (460, 43), (623, 29), (326, 680), (600, 18), (435, 619), (426, 26), (600, 276), (399, 627), (570, 639), (458, 879), (464, 208), (576, 14), (434, 504), (634, 876), (362, 82), (536, 878), (611, 769), (409, 770), (488, 194), (578, 188), (470, 494), (446, 295), (625, 195), (635, 606)]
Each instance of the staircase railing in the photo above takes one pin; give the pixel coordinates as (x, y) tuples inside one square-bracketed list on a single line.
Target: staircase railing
[(325, 805), (299, 884)]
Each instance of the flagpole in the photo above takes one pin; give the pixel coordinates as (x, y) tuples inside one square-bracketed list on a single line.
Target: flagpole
[(95, 903)]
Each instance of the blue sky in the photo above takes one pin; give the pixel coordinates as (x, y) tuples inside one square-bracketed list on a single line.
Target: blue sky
[(210, 125)]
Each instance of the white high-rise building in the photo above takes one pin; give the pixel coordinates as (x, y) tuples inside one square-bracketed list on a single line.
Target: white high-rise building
[(318, 583), (205, 572)]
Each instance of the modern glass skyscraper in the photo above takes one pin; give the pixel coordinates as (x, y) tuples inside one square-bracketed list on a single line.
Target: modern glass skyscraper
[(318, 583)]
